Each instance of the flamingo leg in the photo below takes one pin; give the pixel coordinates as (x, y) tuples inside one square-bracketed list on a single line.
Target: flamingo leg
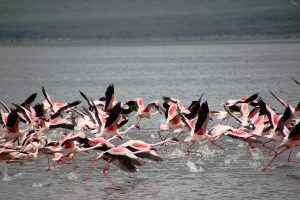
[(270, 153), (249, 150), (213, 142), (54, 168), (77, 164), (167, 135), (218, 146), (267, 147), (251, 144), (90, 171), (138, 119), (275, 156), (266, 142), (189, 150), (160, 135), (49, 167), (105, 172), (179, 134), (289, 158), (264, 145), (190, 147)]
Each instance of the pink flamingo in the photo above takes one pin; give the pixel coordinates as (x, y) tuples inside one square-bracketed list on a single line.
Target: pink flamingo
[(291, 141), (145, 112), (146, 150), (123, 158), (112, 124)]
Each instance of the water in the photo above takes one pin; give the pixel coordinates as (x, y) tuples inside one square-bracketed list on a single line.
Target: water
[(181, 71)]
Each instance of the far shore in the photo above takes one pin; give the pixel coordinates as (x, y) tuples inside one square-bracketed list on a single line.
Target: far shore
[(152, 41)]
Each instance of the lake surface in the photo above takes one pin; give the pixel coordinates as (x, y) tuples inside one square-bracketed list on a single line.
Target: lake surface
[(182, 71)]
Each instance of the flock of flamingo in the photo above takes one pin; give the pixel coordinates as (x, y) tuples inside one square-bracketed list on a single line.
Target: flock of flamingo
[(26, 128)]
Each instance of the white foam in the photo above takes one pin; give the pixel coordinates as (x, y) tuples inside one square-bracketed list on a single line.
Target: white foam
[(4, 172), (208, 153), (241, 144), (72, 176), (231, 159), (175, 154), (37, 185), (298, 156), (257, 154), (6, 176), (193, 167)]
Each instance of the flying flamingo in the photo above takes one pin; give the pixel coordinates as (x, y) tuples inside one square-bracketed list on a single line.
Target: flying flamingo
[(292, 141), (146, 150), (123, 158), (110, 98), (112, 124), (11, 130), (145, 112), (199, 131), (173, 119)]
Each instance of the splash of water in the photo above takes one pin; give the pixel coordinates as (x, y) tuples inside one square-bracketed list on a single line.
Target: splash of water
[(152, 136), (230, 159), (257, 154), (193, 167), (4, 172), (298, 156), (72, 176), (241, 145), (208, 153), (37, 185), (6, 176), (175, 154)]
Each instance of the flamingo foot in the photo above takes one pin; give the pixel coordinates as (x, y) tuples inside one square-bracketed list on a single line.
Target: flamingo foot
[(214, 143), (275, 156)]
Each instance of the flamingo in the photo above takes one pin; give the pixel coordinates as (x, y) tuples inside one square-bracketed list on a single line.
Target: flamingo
[(295, 111), (290, 142), (110, 98), (199, 131), (112, 123), (7, 154), (173, 119), (145, 150), (50, 103), (142, 111), (11, 130), (123, 158)]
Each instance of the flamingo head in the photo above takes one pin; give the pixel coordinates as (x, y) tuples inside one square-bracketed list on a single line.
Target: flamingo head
[(137, 127), (175, 139)]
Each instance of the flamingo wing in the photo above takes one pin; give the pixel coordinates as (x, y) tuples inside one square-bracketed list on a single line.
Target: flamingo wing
[(109, 97), (63, 108), (286, 104), (48, 98), (27, 103), (25, 113), (5, 106), (87, 100), (202, 118), (295, 132), (114, 115)]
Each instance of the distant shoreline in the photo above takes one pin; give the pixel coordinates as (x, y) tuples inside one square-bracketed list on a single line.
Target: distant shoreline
[(152, 41)]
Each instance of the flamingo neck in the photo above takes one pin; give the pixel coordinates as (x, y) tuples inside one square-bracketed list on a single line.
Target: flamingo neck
[(160, 143), (128, 129)]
